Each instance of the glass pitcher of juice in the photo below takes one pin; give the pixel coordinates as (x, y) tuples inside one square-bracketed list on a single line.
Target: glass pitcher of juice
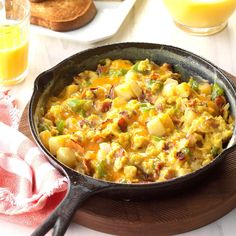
[(203, 17), (14, 38)]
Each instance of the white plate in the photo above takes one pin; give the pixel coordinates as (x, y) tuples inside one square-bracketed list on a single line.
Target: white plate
[(110, 16)]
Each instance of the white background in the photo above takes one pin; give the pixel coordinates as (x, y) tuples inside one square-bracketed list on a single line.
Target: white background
[(148, 21)]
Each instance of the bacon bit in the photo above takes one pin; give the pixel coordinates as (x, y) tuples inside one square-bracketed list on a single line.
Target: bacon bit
[(166, 147), (102, 69), (160, 166), (180, 156), (192, 103), (212, 123), (149, 97), (122, 124), (170, 174), (220, 101), (109, 138), (106, 106), (144, 176), (159, 107), (83, 93), (87, 166), (83, 122), (97, 139), (93, 90), (111, 93), (125, 114), (148, 178), (105, 123), (120, 153), (168, 66), (142, 97), (177, 122), (154, 75), (74, 145)]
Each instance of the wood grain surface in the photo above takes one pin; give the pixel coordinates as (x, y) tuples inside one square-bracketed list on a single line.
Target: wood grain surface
[(208, 201)]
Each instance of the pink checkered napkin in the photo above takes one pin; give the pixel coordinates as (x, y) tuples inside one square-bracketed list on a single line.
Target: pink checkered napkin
[(30, 187)]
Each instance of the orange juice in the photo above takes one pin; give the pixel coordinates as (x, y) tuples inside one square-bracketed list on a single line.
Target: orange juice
[(14, 36), (201, 13), (13, 52)]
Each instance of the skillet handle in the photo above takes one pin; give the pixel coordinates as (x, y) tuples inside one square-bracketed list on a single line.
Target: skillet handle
[(60, 219)]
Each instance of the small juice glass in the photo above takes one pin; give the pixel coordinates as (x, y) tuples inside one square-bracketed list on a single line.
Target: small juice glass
[(201, 17), (14, 40)]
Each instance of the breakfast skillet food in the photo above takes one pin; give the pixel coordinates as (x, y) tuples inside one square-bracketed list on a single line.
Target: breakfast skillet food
[(136, 122)]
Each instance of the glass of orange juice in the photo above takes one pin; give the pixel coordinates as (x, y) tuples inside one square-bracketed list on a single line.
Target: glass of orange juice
[(201, 17), (14, 38)]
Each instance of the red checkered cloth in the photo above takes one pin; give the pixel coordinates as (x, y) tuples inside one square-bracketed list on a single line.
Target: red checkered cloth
[(30, 187)]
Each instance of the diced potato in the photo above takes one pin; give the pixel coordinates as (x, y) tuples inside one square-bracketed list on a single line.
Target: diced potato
[(131, 76), (118, 102), (130, 172), (101, 155), (155, 127), (137, 91), (105, 148), (183, 90), (56, 142), (45, 136), (136, 158), (148, 166), (189, 116), (167, 122), (171, 81), (205, 88), (154, 149), (70, 89), (66, 156), (119, 163), (124, 139), (128, 90), (169, 88), (89, 94), (71, 123), (124, 91), (132, 105), (56, 111), (160, 125)]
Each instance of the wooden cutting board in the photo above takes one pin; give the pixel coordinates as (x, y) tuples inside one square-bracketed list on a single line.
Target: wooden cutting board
[(188, 210)]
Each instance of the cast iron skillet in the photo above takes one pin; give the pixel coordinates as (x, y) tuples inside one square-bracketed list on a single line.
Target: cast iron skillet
[(81, 187)]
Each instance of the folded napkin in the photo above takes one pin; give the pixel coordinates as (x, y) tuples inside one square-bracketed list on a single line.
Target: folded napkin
[(30, 187)]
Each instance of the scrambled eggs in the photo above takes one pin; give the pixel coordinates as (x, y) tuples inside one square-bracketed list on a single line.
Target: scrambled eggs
[(136, 123)]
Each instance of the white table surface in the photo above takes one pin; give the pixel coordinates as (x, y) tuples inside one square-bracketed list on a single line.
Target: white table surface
[(147, 22)]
